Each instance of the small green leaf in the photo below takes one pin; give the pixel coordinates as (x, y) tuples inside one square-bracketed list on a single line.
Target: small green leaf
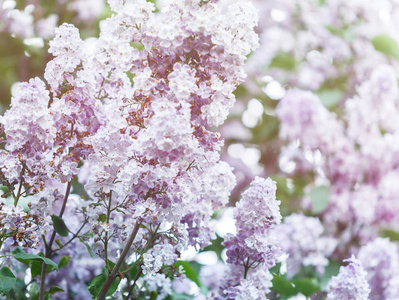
[(330, 97), (216, 246), (23, 257), (331, 270), (102, 218), (54, 289), (153, 295), (113, 286), (87, 246), (189, 270), (387, 45), (59, 226), (320, 197), (391, 234), (7, 280), (34, 291), (284, 61), (307, 286), (64, 261), (283, 287), (97, 283), (26, 262), (36, 268), (57, 241)]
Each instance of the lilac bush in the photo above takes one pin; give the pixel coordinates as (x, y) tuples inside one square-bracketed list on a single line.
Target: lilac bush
[(116, 158)]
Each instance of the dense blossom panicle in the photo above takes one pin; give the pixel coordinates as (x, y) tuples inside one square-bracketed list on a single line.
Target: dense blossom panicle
[(30, 134), (258, 208), (301, 237), (380, 259), (256, 213), (350, 283), (253, 250), (67, 48)]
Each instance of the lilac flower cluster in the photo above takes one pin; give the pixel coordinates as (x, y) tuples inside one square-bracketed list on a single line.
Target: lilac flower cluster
[(350, 283), (301, 237), (253, 250), (131, 115)]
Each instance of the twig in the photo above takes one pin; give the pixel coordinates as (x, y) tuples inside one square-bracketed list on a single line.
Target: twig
[(115, 270), (50, 244)]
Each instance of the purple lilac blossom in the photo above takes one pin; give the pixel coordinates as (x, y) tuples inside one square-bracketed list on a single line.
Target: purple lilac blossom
[(380, 259), (350, 283), (253, 250)]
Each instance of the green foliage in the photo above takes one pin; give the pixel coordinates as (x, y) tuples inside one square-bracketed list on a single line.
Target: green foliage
[(283, 287), (7, 280), (320, 197), (26, 258), (284, 61), (64, 261), (59, 226), (330, 97), (331, 270), (34, 291), (391, 234), (189, 271), (387, 45), (216, 246), (98, 282), (307, 286)]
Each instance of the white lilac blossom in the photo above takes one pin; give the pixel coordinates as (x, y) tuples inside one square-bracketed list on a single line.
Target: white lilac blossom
[(302, 238), (350, 283), (253, 249), (380, 259), (160, 284)]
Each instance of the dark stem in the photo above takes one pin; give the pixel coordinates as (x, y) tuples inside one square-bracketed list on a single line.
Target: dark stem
[(21, 179), (246, 267), (115, 270), (134, 283), (106, 233), (50, 244)]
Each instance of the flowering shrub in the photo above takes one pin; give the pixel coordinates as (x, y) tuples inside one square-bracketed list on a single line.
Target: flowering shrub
[(112, 169)]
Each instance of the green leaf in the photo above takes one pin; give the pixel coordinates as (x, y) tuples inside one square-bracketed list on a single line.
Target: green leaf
[(320, 197), (87, 246), (26, 262), (283, 287), (23, 257), (391, 234), (330, 97), (64, 261), (57, 241), (97, 283), (331, 270), (102, 218), (216, 246), (59, 226), (284, 61), (54, 289), (387, 45), (7, 280), (307, 286), (113, 286), (36, 268), (189, 270), (34, 291)]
